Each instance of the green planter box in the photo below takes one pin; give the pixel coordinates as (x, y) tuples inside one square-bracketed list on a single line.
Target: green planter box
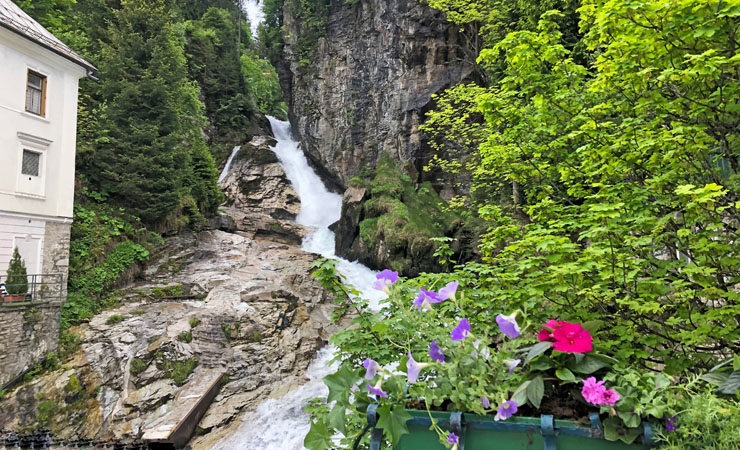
[(520, 433)]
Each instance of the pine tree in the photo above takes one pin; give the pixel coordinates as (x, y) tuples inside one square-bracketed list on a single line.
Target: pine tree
[(17, 280), (152, 118)]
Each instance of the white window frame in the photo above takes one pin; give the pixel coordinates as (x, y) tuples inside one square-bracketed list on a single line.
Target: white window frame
[(37, 145)]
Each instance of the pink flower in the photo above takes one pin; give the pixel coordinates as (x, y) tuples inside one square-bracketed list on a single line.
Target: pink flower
[(545, 334), (572, 338), (611, 397), (593, 391)]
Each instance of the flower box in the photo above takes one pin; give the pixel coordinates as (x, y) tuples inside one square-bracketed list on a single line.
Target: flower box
[(15, 298), (518, 433)]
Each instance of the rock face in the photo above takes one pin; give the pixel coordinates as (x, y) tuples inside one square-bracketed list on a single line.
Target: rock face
[(241, 302), (369, 83)]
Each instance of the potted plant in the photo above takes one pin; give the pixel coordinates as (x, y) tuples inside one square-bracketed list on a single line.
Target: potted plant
[(17, 279), (431, 379)]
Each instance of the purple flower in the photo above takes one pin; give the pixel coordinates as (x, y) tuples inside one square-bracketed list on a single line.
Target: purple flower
[(506, 410), (371, 367), (385, 279), (461, 331), (425, 299), (485, 402), (377, 390), (508, 325), (413, 368), (436, 353), (671, 424), (448, 292), (511, 364), (452, 438)]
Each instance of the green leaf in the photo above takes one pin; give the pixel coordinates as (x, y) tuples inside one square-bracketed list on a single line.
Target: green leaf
[(565, 374), (715, 378), (393, 422), (340, 383), (318, 437), (613, 431), (537, 350), (589, 364), (535, 391), (520, 395), (336, 418), (731, 385), (592, 326)]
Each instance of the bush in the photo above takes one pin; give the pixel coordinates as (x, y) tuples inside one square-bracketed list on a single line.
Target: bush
[(137, 366), (185, 337)]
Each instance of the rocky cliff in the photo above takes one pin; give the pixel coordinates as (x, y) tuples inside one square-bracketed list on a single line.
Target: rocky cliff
[(236, 299), (366, 85)]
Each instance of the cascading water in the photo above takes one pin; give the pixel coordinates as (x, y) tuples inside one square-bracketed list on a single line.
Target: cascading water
[(227, 167), (281, 423)]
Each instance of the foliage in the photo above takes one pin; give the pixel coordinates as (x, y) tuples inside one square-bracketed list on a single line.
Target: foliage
[(185, 336), (16, 283), (706, 422), (194, 322), (403, 218), (137, 366), (179, 371), (263, 82), (478, 373), (312, 16)]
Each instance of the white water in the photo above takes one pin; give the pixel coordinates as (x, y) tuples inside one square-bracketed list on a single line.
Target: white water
[(227, 167), (253, 9), (281, 423)]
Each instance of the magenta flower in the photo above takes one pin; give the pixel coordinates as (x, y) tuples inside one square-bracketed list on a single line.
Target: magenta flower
[(485, 402), (506, 410), (508, 325), (453, 438), (461, 331), (385, 279), (371, 367), (448, 292), (436, 353), (572, 338), (377, 390), (511, 364)]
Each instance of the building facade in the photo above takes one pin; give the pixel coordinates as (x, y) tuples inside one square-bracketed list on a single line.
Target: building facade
[(39, 78)]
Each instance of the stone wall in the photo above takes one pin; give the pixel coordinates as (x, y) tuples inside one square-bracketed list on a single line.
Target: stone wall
[(56, 254), (27, 334)]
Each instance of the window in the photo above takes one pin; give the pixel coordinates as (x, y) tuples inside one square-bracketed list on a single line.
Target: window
[(36, 93), (31, 163)]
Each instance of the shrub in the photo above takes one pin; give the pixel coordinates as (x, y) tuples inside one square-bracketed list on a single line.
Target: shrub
[(194, 322), (137, 366), (17, 280), (185, 336)]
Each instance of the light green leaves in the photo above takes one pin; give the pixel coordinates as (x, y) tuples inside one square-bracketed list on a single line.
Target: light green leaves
[(340, 383)]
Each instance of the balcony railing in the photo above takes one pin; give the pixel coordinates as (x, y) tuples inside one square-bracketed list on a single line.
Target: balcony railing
[(38, 288)]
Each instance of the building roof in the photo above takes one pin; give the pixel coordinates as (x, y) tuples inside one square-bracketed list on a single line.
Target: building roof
[(16, 20)]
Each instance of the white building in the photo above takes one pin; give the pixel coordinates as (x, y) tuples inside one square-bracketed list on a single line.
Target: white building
[(39, 78)]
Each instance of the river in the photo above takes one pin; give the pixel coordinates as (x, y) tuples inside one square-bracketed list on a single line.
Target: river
[(280, 423)]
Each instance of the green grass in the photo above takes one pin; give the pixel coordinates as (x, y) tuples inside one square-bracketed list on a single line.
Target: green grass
[(114, 319)]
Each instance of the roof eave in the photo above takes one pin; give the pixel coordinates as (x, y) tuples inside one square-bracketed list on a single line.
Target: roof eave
[(89, 68)]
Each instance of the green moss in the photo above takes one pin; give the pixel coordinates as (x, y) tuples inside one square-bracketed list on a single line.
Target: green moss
[(194, 322), (114, 319), (45, 412), (137, 366), (168, 291), (403, 217), (73, 385), (185, 336), (181, 370), (226, 327), (255, 337)]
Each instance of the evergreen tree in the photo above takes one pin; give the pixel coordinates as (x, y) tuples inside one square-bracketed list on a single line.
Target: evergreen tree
[(151, 119), (17, 281)]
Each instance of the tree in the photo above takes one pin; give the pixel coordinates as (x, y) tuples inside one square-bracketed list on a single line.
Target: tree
[(17, 279), (151, 117)]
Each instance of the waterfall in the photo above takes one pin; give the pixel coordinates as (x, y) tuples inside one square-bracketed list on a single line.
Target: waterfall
[(281, 423), (253, 10), (227, 167)]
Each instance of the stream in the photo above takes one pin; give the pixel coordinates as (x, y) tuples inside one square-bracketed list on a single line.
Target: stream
[(280, 423)]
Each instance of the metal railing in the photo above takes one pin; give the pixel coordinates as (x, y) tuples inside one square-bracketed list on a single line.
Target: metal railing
[(38, 288)]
